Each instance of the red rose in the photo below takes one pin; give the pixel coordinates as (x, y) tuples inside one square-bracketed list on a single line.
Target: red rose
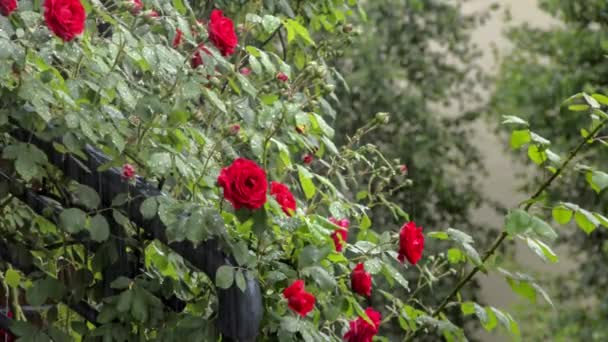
[(411, 243), (65, 18), (7, 7), (6, 336), (298, 299), (361, 281), (177, 40), (245, 71), (282, 77), (128, 171), (234, 130), (403, 168), (339, 236), (244, 184), (360, 330), (344, 223), (284, 197), (197, 60), (308, 158), (136, 7), (221, 33)]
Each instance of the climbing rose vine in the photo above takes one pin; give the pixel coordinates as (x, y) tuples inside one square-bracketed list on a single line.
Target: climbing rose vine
[(232, 214)]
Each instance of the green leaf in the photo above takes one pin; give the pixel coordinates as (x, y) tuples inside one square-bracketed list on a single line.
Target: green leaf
[(100, 230), (513, 120), (365, 222), (224, 277), (290, 324), (306, 182), (125, 300), (602, 219), (396, 275), (543, 229), (455, 256), (542, 250), (215, 100), (536, 155), (28, 159), (586, 221), (12, 277), (294, 29), (468, 308), (87, 196), (601, 98), (179, 6), (325, 281), (149, 208), (517, 221), (139, 308), (599, 180), (240, 280), (241, 253), (438, 235), (561, 214), (120, 283), (471, 253), (270, 23), (591, 101), (72, 220), (491, 322), (373, 265), (311, 255), (578, 107), (520, 138), (160, 162)]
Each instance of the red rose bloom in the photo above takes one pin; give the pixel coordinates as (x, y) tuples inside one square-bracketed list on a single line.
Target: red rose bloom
[(282, 77), (177, 40), (339, 236), (244, 184), (361, 281), (307, 159), (221, 33), (403, 168), (7, 7), (360, 330), (65, 18), (136, 7), (411, 243), (197, 60), (298, 299), (6, 336), (284, 197), (234, 130), (128, 171), (343, 223)]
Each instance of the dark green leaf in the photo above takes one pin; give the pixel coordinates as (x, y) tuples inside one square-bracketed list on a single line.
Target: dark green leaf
[(224, 277), (100, 230), (73, 220)]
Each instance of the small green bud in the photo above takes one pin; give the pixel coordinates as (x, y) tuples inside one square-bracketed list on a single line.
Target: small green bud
[(382, 117)]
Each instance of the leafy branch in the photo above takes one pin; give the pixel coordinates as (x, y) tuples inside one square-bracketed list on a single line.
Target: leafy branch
[(527, 207)]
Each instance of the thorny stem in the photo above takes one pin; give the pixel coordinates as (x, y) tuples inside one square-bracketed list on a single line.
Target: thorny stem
[(504, 234)]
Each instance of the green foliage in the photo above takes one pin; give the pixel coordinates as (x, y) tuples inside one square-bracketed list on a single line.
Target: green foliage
[(142, 100)]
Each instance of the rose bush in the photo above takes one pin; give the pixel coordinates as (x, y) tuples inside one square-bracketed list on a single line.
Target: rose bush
[(202, 133)]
